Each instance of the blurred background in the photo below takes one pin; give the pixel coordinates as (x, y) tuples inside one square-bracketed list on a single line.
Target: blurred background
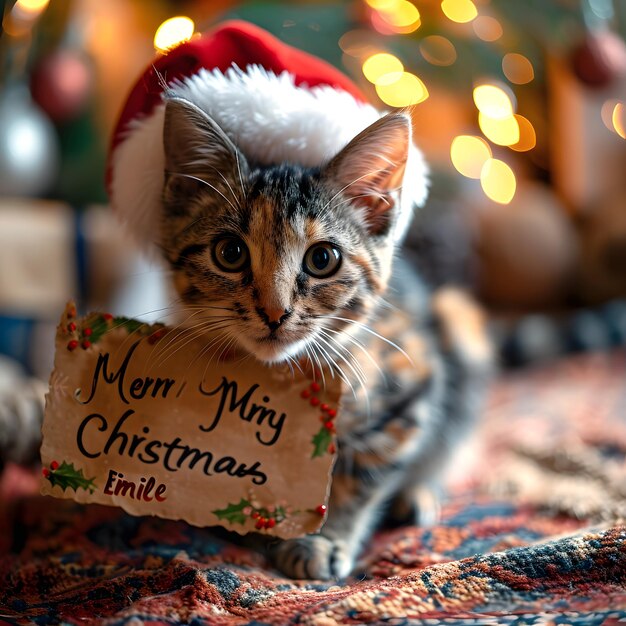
[(520, 108)]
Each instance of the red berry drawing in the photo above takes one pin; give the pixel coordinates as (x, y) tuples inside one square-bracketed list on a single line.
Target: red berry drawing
[(46, 472), (305, 394), (54, 465), (85, 344), (107, 317), (87, 332), (332, 413), (332, 448), (329, 425), (72, 345), (71, 327), (320, 509), (271, 522), (315, 401), (315, 387), (324, 406)]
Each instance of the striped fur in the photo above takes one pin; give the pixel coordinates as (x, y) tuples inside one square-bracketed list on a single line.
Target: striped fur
[(416, 363)]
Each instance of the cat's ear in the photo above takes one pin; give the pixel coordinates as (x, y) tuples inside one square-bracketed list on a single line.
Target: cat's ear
[(371, 168), (197, 151)]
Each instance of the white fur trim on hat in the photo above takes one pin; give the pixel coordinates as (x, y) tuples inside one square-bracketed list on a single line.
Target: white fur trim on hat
[(269, 118)]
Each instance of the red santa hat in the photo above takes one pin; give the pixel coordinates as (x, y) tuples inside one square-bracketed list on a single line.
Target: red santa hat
[(277, 103)]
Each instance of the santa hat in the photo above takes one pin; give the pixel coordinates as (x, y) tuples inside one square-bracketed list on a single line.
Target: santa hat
[(275, 102)]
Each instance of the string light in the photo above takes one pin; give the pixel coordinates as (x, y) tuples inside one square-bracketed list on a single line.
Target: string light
[(498, 181), (527, 136), (403, 17), (493, 101), (173, 32), (438, 50), (401, 89), (517, 68), (487, 28), (382, 64), (503, 131), (618, 119), (461, 11), (468, 154)]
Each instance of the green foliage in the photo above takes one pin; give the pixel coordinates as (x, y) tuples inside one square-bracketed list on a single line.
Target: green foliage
[(233, 513), (66, 475), (321, 440)]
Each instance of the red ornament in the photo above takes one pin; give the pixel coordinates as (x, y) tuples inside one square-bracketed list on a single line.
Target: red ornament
[(332, 413), (54, 465), (315, 401), (315, 386), (87, 332), (72, 345), (320, 509), (305, 394), (85, 344), (71, 327), (46, 472)]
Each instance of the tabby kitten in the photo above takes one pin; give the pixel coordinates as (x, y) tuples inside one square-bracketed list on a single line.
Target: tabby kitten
[(286, 262)]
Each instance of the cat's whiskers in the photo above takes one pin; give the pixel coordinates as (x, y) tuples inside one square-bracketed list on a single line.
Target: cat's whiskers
[(204, 182), (359, 345), (351, 363), (188, 335), (322, 345), (367, 329)]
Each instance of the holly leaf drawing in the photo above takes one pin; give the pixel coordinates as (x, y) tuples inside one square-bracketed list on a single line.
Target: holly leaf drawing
[(321, 440), (132, 326), (66, 475), (233, 513)]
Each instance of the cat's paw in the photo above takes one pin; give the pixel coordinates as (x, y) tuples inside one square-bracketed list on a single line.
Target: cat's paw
[(313, 556), (414, 507)]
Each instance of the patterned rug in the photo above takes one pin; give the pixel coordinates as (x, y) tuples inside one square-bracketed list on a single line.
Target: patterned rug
[(533, 534)]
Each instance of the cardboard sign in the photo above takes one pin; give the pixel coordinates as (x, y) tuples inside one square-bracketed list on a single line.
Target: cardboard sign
[(151, 419)]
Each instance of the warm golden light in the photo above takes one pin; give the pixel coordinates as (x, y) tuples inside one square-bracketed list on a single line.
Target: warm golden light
[(403, 17), (517, 68), (468, 154), (487, 28), (382, 64), (405, 90), (382, 5), (173, 32), (619, 119), (527, 136), (438, 50), (503, 131), (459, 10), (29, 8), (493, 101), (498, 181)]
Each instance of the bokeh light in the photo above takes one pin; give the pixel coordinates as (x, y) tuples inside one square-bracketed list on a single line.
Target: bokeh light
[(487, 28), (498, 181), (468, 154), (438, 50), (517, 68), (381, 64), (29, 8), (173, 32), (401, 90), (402, 16), (493, 101), (503, 131), (461, 11), (618, 118), (527, 136)]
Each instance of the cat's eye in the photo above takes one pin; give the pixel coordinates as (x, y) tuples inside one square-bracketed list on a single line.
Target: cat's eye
[(322, 260), (231, 254)]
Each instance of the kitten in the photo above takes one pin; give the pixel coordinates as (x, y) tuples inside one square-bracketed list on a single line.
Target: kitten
[(288, 262)]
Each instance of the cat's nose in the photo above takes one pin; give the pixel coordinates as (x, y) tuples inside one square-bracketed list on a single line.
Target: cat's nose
[(273, 317)]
